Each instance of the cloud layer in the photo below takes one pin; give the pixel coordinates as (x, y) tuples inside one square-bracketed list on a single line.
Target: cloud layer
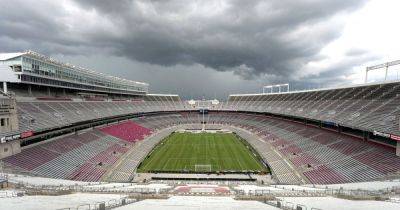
[(253, 39)]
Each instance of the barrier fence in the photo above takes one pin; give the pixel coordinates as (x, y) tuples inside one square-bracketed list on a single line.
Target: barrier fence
[(110, 204)]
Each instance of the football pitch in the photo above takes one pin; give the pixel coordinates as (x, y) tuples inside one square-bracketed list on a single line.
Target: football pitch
[(203, 152)]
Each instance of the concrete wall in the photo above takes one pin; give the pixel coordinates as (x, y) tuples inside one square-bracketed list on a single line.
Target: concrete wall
[(8, 112), (10, 148)]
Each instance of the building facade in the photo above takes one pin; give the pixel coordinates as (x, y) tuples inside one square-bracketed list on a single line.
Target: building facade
[(35, 69)]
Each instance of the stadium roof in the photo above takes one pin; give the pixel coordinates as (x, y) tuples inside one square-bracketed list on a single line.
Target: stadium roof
[(171, 95), (6, 56)]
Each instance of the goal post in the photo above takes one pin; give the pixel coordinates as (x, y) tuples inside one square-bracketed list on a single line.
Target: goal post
[(202, 168)]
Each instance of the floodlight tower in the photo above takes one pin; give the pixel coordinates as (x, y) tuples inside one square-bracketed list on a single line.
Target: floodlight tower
[(381, 66), (279, 86), (203, 116)]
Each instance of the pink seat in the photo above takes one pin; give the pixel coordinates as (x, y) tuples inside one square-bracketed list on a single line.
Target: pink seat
[(128, 131)]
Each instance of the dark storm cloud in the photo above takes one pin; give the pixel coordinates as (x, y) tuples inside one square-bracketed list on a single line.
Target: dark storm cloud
[(249, 38), (41, 26)]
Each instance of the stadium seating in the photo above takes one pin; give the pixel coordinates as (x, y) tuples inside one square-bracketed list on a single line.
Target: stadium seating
[(31, 158), (84, 157), (370, 107), (128, 131), (314, 152), (320, 156), (124, 171)]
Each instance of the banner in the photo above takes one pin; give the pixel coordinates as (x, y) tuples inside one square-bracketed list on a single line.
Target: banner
[(394, 137), (329, 123), (377, 133), (26, 134), (9, 138)]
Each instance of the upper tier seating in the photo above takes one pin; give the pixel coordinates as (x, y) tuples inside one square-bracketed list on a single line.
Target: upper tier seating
[(43, 115), (371, 107)]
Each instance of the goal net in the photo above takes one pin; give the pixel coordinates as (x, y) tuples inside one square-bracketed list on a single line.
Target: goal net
[(202, 168)]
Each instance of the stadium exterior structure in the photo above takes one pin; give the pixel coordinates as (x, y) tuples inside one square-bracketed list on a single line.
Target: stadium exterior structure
[(59, 104), (31, 68)]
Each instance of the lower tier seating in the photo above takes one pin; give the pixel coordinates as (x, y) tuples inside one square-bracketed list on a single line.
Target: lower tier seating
[(84, 157), (128, 131)]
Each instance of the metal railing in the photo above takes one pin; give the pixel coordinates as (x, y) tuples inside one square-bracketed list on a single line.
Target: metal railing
[(11, 194), (102, 205)]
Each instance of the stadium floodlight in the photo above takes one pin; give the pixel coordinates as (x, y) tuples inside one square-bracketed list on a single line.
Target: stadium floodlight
[(279, 86), (380, 66)]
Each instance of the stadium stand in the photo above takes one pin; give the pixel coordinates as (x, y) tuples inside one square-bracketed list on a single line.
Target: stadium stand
[(319, 136), (314, 152), (124, 171), (371, 107), (88, 154), (309, 149)]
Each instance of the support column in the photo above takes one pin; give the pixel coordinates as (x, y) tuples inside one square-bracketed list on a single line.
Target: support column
[(30, 90), (366, 136), (398, 148), (5, 87), (386, 71)]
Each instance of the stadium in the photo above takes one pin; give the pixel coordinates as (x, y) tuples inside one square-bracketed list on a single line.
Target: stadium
[(199, 105), (68, 130)]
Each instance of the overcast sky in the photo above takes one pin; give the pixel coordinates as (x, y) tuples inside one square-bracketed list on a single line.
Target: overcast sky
[(210, 47)]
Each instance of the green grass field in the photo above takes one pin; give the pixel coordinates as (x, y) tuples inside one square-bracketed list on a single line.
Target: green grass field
[(215, 151)]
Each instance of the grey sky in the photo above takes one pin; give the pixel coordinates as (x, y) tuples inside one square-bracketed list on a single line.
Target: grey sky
[(192, 48)]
